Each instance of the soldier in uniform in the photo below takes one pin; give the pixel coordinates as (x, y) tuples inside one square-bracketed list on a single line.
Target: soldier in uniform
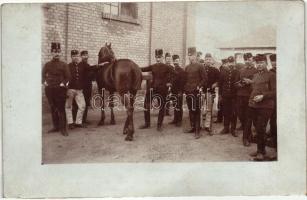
[(198, 57), (55, 76), (168, 61), (262, 103), (75, 91), (273, 122), (162, 78), (220, 105), (213, 78), (227, 92), (179, 82), (196, 80), (243, 92)]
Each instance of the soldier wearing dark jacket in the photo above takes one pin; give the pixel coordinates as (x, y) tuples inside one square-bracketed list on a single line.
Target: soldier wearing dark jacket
[(262, 103), (177, 89), (168, 61), (89, 76), (55, 76), (227, 92), (162, 78), (243, 84), (220, 105), (75, 91), (196, 80), (213, 78), (273, 122)]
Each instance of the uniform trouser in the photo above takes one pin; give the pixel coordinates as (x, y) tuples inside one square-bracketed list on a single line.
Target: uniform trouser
[(273, 125), (147, 107), (56, 97), (260, 117), (247, 129), (193, 102), (87, 92), (220, 111), (209, 105), (78, 96), (162, 106), (229, 112), (178, 112)]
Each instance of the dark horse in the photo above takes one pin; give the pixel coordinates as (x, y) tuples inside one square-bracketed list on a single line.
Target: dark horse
[(122, 76)]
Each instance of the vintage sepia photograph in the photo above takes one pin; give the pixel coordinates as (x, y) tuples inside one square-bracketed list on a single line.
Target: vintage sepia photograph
[(153, 99), (158, 82)]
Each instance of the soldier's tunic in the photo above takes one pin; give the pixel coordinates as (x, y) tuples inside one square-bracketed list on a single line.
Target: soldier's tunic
[(75, 92), (213, 77), (178, 87), (243, 93), (264, 83), (227, 91), (54, 73), (161, 75), (196, 77), (273, 122), (89, 76)]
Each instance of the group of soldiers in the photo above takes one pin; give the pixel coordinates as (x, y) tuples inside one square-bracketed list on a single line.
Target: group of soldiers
[(68, 89), (247, 92)]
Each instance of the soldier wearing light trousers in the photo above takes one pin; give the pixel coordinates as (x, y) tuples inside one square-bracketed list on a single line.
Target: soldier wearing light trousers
[(75, 91)]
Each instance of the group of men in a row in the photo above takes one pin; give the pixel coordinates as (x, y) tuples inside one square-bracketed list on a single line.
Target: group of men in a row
[(247, 92), (68, 89)]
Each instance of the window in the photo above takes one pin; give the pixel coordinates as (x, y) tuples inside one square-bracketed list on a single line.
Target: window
[(111, 8), (125, 12)]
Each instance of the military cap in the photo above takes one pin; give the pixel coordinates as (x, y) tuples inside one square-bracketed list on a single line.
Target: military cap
[(224, 60), (247, 56), (273, 57), (55, 47), (260, 57), (175, 57), (192, 50), (167, 54), (74, 52), (83, 52), (208, 55), (230, 59), (159, 52)]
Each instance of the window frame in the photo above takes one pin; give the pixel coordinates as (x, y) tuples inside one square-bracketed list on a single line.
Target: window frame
[(119, 17)]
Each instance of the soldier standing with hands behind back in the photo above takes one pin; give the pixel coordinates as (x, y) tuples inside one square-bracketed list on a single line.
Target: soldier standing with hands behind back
[(227, 92), (196, 80), (55, 76)]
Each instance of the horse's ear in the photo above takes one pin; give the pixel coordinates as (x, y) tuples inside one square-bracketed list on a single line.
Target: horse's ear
[(105, 44), (110, 45)]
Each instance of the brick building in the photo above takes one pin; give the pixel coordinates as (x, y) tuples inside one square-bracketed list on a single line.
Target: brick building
[(134, 29)]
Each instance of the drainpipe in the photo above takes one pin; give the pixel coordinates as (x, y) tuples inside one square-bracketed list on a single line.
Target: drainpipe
[(185, 26), (150, 33), (66, 32)]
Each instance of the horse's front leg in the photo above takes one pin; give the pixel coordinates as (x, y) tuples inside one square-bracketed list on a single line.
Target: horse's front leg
[(112, 108), (102, 115)]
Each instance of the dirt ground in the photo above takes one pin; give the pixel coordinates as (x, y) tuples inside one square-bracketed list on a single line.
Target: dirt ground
[(106, 143)]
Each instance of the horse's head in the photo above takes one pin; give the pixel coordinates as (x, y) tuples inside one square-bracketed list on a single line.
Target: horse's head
[(106, 54)]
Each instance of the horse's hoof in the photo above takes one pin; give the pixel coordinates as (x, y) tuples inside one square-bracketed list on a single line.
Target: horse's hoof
[(125, 132), (100, 123), (129, 138), (112, 123)]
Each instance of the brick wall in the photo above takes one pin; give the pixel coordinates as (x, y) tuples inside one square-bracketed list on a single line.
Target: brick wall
[(80, 26)]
